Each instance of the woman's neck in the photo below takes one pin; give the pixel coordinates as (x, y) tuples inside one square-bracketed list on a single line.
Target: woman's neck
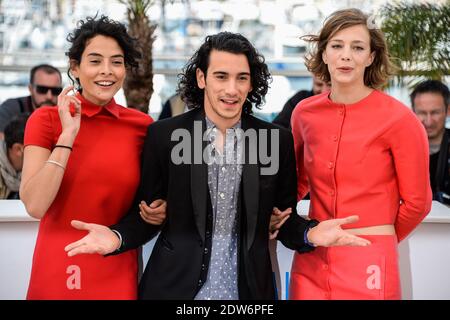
[(348, 94)]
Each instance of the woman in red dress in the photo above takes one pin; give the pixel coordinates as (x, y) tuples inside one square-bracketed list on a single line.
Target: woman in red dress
[(359, 151), (82, 161)]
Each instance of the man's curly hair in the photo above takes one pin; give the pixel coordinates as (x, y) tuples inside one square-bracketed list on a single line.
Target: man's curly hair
[(235, 43)]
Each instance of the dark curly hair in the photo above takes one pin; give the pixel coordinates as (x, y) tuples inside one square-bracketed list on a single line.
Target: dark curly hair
[(104, 26), (235, 43)]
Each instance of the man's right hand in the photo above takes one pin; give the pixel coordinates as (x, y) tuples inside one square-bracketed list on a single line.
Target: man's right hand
[(100, 240)]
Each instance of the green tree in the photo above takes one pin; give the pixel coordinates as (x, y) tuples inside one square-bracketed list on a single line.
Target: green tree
[(138, 86), (418, 38)]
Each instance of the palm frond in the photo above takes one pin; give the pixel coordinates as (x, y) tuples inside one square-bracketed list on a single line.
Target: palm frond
[(138, 86), (418, 38)]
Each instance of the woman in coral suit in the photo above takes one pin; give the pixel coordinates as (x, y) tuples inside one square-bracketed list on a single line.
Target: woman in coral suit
[(359, 151)]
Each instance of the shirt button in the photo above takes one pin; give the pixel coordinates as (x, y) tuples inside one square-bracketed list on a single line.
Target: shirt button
[(325, 267), (326, 295), (334, 138), (330, 165), (331, 192)]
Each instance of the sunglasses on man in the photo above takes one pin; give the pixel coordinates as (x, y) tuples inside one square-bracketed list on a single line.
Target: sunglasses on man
[(44, 89)]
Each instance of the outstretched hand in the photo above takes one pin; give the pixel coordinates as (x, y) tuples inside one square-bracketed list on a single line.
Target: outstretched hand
[(329, 233), (100, 240)]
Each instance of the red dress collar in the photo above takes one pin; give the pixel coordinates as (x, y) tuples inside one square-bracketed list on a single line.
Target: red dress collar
[(91, 109)]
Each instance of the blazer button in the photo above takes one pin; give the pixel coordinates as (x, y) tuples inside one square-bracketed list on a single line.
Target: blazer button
[(205, 251), (208, 234), (203, 267), (209, 216), (200, 283)]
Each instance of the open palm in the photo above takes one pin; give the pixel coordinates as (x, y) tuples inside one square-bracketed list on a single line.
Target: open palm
[(329, 233), (100, 240)]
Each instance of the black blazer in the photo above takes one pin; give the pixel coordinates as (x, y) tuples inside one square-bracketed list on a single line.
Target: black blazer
[(284, 117), (179, 263)]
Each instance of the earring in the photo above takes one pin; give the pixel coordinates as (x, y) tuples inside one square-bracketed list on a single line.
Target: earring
[(77, 84)]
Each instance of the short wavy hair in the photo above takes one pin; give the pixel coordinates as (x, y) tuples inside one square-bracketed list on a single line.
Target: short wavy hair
[(235, 43), (93, 26), (377, 74)]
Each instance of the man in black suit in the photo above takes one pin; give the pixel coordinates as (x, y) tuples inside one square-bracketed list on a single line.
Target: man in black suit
[(222, 172)]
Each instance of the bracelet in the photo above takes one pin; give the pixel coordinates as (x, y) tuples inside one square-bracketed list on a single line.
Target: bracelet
[(62, 146), (305, 238), (311, 224), (56, 163)]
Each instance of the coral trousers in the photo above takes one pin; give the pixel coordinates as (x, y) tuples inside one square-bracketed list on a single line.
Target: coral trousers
[(342, 273)]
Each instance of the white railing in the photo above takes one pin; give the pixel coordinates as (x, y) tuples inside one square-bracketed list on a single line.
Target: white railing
[(424, 255)]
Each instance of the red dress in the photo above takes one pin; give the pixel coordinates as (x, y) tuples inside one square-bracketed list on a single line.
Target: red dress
[(371, 159), (99, 183)]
